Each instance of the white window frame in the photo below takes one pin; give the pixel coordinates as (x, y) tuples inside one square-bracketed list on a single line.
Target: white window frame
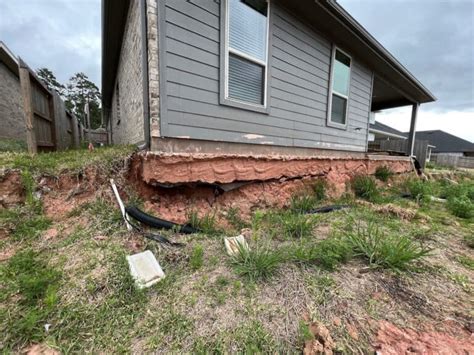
[(331, 91), (228, 50)]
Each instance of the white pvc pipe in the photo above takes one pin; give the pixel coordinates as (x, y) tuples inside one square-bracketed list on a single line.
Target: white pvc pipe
[(122, 208)]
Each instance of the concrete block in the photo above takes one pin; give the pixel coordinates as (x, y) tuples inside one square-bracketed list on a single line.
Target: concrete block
[(232, 244), (145, 269)]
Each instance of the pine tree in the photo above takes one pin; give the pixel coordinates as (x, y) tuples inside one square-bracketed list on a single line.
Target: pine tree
[(49, 79), (80, 90)]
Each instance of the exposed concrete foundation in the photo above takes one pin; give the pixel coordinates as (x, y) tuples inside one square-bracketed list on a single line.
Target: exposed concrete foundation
[(175, 184)]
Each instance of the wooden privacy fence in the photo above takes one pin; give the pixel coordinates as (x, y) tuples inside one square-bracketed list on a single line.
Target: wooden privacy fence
[(401, 146), (49, 125), (39, 112), (454, 161)]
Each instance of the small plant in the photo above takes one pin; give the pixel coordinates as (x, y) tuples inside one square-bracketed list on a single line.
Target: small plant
[(319, 188), (385, 251), (327, 253), (233, 217), (196, 259), (466, 261), (302, 203), (206, 224), (257, 263), (461, 207), (296, 225), (383, 173), (365, 187), (418, 189)]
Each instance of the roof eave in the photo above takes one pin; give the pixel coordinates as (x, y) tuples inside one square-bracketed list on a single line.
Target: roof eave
[(376, 47)]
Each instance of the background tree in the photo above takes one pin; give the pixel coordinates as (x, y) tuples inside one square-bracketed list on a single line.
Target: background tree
[(80, 90), (49, 79)]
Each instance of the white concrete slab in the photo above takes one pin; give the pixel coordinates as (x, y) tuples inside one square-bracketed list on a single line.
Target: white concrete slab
[(232, 244), (145, 269)]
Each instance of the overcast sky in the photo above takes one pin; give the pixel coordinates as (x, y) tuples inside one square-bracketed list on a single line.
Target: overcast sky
[(434, 39)]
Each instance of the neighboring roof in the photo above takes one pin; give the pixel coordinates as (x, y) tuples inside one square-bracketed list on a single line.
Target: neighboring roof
[(445, 142), (331, 19), (8, 58), (381, 128)]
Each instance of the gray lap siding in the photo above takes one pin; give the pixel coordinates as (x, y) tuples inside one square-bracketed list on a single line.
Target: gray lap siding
[(299, 67)]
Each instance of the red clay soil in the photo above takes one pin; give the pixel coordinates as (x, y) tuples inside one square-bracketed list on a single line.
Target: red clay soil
[(392, 340), (11, 189), (270, 181), (180, 168)]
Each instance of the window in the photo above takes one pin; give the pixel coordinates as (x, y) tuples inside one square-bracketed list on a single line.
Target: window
[(246, 51), (340, 76)]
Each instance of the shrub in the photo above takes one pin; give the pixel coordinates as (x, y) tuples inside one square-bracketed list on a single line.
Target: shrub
[(461, 207), (256, 263), (302, 203), (319, 188), (383, 173), (197, 257), (296, 225), (386, 251), (365, 187)]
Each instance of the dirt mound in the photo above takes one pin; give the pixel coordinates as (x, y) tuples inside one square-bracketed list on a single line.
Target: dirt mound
[(394, 340), (12, 191)]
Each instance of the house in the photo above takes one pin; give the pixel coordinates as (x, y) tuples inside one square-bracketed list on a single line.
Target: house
[(52, 126), (446, 144), (379, 131), (217, 89)]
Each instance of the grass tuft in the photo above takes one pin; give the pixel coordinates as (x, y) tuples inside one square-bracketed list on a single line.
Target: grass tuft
[(233, 217), (207, 224), (319, 188), (386, 251), (196, 259), (295, 225), (257, 263), (302, 203), (383, 173), (461, 207), (365, 187)]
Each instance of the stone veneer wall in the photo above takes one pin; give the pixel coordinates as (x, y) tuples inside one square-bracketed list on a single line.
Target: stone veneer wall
[(153, 72), (12, 116), (127, 126)]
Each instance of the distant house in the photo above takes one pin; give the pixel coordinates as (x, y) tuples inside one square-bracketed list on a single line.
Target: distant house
[(247, 78), (446, 143), (381, 131)]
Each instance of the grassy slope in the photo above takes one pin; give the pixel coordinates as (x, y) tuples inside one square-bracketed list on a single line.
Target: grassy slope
[(78, 281)]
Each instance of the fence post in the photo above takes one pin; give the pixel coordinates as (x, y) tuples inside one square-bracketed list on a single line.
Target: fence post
[(25, 85)]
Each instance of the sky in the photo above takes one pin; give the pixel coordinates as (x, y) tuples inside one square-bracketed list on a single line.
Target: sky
[(434, 39)]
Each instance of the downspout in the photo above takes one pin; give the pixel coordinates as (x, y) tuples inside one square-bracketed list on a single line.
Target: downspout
[(146, 99)]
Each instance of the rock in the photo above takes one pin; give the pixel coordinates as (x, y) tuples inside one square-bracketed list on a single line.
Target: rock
[(322, 342)]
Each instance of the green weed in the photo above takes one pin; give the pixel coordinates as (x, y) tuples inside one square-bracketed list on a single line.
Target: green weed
[(383, 173), (385, 250), (302, 203), (206, 224), (256, 263), (419, 190), (466, 261), (461, 207), (233, 217), (196, 259), (327, 253), (295, 225), (319, 188), (365, 187)]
